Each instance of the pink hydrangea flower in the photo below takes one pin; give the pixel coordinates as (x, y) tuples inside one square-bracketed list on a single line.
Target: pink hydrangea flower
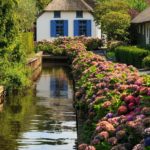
[(104, 135)]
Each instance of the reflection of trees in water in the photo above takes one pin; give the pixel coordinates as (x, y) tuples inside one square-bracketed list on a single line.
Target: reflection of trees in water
[(14, 119), (20, 111)]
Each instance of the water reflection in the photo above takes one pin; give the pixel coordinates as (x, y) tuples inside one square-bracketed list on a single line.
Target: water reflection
[(46, 121), (58, 87)]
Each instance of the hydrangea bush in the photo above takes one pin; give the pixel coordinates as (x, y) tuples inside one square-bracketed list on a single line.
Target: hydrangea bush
[(114, 98)]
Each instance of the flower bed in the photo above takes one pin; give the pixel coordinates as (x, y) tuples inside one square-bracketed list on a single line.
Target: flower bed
[(118, 96), (54, 48), (114, 97)]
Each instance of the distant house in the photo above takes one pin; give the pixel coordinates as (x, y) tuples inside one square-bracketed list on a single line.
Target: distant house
[(142, 25), (67, 18)]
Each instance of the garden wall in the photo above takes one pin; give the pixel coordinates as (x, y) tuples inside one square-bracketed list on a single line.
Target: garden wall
[(35, 65)]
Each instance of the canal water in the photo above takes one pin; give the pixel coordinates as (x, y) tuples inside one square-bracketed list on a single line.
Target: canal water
[(44, 118)]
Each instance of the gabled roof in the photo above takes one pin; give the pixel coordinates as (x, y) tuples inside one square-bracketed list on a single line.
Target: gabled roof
[(142, 17), (68, 5)]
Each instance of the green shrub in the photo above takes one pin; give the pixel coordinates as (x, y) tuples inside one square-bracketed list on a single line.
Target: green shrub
[(45, 46), (112, 45), (14, 76), (111, 55), (49, 48), (27, 42), (58, 51), (146, 62), (93, 44), (130, 55)]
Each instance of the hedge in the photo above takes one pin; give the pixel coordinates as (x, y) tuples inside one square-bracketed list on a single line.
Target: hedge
[(28, 42), (146, 62), (131, 55)]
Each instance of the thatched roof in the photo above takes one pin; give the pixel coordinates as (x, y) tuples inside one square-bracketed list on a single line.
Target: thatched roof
[(142, 17), (92, 3), (69, 5)]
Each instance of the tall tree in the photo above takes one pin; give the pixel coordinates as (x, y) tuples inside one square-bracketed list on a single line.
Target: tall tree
[(41, 4), (138, 5), (26, 12), (113, 17)]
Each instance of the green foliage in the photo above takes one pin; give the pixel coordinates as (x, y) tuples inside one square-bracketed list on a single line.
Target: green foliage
[(93, 44), (111, 55), (146, 62), (103, 146), (138, 5), (14, 76), (131, 55), (87, 132), (58, 51), (9, 27), (26, 12), (15, 118), (112, 45), (147, 80), (109, 5), (27, 42), (41, 4), (113, 17), (15, 16), (49, 48), (15, 52), (115, 24)]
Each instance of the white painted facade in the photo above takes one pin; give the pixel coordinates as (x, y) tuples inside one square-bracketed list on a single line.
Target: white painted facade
[(43, 24)]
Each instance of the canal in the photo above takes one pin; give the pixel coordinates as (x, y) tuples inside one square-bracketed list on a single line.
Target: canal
[(44, 118)]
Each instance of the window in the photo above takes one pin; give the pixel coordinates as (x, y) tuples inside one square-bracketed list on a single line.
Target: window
[(83, 27), (57, 14), (59, 28), (79, 14)]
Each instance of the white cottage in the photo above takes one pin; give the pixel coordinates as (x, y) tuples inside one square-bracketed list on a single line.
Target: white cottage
[(67, 18)]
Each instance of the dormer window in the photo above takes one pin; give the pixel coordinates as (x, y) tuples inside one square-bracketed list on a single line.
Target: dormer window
[(79, 14), (57, 14)]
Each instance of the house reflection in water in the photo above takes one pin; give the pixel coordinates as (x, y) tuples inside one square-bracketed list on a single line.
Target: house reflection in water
[(58, 87), (55, 84)]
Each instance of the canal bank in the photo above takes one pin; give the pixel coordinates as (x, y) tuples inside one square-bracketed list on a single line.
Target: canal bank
[(35, 65)]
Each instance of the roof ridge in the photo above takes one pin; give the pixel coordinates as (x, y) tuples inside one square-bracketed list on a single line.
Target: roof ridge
[(68, 5), (87, 5)]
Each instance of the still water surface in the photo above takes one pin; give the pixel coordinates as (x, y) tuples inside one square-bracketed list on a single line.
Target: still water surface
[(44, 119)]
